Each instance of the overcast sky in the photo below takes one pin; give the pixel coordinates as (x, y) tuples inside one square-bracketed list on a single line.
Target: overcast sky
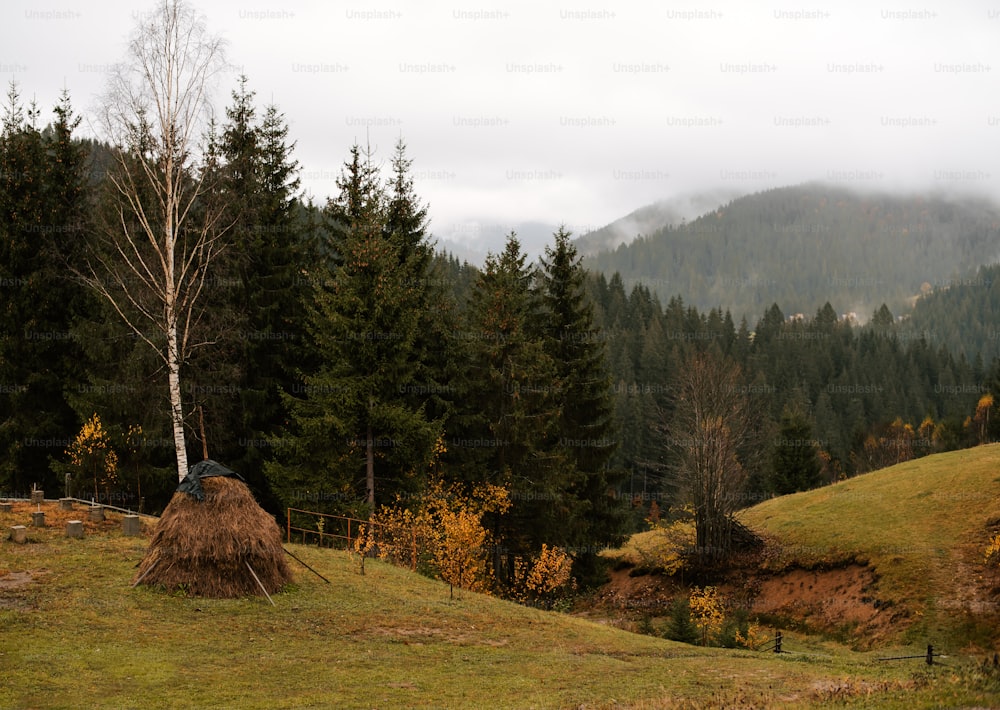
[(580, 112)]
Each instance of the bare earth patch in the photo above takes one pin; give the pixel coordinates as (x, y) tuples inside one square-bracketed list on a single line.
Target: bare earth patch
[(644, 594), (14, 580), (842, 599), (823, 599), (14, 588)]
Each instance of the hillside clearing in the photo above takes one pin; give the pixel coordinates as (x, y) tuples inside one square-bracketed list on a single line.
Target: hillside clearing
[(390, 638), (920, 526), (893, 556)]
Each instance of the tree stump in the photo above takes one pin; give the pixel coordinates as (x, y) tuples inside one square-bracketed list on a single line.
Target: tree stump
[(131, 525), (38, 519), (38, 496), (74, 528), (65, 504), (96, 514), (19, 534)]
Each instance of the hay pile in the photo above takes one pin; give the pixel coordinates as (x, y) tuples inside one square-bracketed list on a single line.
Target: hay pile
[(203, 547)]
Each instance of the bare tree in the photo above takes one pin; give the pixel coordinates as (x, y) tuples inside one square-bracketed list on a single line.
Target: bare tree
[(153, 262), (713, 424)]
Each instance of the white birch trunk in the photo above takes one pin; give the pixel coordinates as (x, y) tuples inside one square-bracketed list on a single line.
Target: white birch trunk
[(176, 406), (157, 104)]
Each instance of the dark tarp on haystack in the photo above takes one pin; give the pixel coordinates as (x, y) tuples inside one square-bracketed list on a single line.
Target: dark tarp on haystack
[(208, 533), (204, 469)]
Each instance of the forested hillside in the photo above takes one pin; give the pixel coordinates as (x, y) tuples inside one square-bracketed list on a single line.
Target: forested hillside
[(836, 397), (961, 315), (341, 365), (803, 246), (649, 219)]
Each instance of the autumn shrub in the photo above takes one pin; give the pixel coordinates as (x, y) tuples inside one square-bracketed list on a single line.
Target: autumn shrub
[(445, 526), (544, 577), (91, 456), (665, 547), (702, 618), (674, 545), (740, 631), (991, 555), (707, 613)]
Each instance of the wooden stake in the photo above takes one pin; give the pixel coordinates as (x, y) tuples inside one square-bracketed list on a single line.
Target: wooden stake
[(150, 569), (259, 583), (308, 567), (204, 441)]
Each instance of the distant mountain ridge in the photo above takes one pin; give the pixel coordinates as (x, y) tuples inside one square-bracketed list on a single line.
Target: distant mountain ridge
[(473, 239), (805, 245), (645, 220)]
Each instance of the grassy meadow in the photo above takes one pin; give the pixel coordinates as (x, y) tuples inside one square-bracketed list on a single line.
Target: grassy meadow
[(73, 632), (921, 526)]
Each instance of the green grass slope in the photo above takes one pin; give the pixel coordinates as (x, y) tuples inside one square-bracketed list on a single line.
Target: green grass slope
[(74, 634), (921, 525)]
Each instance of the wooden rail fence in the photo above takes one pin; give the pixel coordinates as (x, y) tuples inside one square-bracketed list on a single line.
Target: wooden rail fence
[(342, 531)]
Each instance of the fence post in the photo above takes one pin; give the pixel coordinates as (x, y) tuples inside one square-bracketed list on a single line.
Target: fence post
[(413, 565), (289, 521), (930, 655), (777, 642)]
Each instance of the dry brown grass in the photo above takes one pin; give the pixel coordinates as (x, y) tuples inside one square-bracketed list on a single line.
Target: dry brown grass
[(203, 547), (56, 518)]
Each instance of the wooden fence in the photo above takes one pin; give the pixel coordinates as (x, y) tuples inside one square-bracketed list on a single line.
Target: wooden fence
[(929, 657), (343, 532)]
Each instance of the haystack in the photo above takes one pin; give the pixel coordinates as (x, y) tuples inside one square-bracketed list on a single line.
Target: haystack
[(209, 534)]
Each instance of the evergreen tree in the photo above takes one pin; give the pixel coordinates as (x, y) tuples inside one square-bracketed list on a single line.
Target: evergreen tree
[(680, 627), (355, 427), (42, 221), (795, 466), (512, 414), (587, 431), (431, 356), (270, 250)]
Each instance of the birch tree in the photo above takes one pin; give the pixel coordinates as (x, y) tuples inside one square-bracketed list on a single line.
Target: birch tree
[(153, 261)]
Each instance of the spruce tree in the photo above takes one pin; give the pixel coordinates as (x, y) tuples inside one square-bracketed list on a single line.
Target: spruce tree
[(42, 221), (512, 414), (431, 356), (587, 433), (795, 463), (356, 431), (269, 250)]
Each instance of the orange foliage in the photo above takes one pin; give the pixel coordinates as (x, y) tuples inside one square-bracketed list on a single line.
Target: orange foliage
[(991, 555), (707, 612), (447, 522), (91, 453), (544, 576), (982, 418)]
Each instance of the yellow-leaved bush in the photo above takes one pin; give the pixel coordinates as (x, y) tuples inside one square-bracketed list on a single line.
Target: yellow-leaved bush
[(754, 637), (991, 555), (707, 612), (543, 577), (91, 454), (672, 544), (445, 529), (443, 532)]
